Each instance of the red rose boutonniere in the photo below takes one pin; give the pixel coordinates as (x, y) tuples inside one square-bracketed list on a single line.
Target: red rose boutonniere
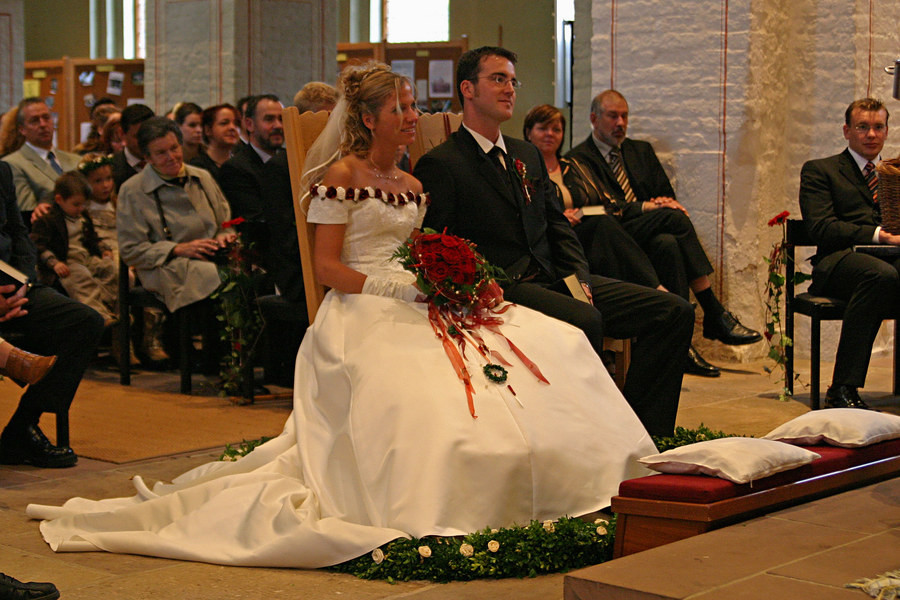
[(527, 185)]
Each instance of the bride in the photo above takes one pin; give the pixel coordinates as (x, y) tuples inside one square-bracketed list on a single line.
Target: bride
[(381, 443)]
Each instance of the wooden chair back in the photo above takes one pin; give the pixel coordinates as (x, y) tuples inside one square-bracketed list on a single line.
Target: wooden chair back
[(300, 131), (431, 131)]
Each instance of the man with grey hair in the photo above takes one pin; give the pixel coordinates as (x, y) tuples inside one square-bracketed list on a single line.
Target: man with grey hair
[(643, 199), (37, 164)]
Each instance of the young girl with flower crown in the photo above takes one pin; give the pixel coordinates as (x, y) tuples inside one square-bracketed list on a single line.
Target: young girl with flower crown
[(97, 169)]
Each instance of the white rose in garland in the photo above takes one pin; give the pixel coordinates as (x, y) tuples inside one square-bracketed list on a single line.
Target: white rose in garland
[(467, 550), (493, 545), (424, 551)]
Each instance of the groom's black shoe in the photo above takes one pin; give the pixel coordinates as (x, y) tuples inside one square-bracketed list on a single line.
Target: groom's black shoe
[(728, 330), (697, 365), (843, 396), (13, 589), (29, 446)]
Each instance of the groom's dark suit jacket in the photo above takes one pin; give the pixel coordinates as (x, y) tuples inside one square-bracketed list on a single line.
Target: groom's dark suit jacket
[(532, 240), (465, 185)]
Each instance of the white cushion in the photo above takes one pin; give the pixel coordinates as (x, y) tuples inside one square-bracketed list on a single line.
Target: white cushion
[(846, 427), (736, 459)]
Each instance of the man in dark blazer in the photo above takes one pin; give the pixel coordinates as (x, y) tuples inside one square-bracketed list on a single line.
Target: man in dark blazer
[(645, 202), (838, 199), (130, 160), (495, 191), (243, 177), (49, 324), (37, 164)]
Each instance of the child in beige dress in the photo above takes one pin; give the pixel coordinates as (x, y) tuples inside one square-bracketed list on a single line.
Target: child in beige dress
[(69, 247)]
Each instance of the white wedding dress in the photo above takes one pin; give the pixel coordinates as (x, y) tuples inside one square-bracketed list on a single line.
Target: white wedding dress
[(381, 443)]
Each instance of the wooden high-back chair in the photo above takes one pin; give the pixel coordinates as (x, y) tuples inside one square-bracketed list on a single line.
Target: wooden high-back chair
[(300, 131), (431, 131)]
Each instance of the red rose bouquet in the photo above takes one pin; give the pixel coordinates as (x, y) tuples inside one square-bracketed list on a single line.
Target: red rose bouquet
[(461, 290), (449, 271)]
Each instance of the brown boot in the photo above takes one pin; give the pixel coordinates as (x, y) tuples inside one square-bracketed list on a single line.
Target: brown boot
[(151, 345), (116, 351), (27, 367)]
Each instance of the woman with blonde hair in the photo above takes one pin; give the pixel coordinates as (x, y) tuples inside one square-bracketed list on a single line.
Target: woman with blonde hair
[(381, 443), (10, 137)]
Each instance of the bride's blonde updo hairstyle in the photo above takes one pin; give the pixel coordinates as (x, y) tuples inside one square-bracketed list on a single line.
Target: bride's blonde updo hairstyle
[(365, 88)]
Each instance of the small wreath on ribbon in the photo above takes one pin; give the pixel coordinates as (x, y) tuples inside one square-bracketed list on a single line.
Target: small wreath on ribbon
[(495, 373)]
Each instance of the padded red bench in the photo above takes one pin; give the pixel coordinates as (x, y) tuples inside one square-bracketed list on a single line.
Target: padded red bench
[(662, 508)]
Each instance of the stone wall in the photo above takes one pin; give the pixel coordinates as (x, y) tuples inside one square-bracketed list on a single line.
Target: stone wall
[(735, 95), (212, 51), (12, 52)]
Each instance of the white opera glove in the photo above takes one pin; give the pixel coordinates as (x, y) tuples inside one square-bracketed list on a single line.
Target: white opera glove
[(382, 286)]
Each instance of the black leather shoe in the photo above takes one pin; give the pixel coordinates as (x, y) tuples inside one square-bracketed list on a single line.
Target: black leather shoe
[(697, 365), (13, 589), (843, 396), (31, 447), (728, 330)]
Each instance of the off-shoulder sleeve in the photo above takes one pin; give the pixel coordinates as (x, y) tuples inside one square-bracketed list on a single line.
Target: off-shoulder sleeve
[(328, 211)]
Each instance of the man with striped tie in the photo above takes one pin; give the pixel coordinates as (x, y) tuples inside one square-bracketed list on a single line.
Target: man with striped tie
[(37, 164), (643, 198), (839, 202)]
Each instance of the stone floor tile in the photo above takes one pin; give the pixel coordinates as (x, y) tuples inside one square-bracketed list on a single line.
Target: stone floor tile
[(867, 510), (702, 562), (548, 587), (743, 415), (25, 566), (213, 582), (867, 557), (778, 588)]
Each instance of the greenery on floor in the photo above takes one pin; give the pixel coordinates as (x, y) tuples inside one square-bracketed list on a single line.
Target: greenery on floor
[(684, 436), (535, 549), (232, 453)]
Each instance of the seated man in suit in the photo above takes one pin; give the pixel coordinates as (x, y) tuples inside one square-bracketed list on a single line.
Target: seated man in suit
[(839, 202), (130, 160), (49, 324), (243, 178), (645, 202), (495, 191), (37, 164)]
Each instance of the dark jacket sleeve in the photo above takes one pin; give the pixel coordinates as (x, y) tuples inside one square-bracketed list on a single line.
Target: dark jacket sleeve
[(16, 247)]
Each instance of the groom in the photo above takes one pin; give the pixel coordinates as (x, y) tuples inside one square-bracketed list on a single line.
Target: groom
[(495, 191)]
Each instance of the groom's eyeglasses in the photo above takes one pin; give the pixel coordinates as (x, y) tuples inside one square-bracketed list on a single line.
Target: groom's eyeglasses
[(502, 81)]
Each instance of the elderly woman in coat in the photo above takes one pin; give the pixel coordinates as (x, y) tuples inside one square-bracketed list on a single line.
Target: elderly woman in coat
[(170, 219)]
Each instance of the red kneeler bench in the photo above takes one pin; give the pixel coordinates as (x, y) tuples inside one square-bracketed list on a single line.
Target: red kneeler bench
[(662, 508)]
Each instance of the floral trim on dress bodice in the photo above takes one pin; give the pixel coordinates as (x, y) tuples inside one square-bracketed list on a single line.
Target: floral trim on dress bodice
[(359, 194)]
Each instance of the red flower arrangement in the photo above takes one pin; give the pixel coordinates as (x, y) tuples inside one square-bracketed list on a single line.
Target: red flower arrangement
[(461, 289), (779, 219), (774, 292)]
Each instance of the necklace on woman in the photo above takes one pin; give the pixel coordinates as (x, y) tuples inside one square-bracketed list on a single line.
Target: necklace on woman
[(393, 175)]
